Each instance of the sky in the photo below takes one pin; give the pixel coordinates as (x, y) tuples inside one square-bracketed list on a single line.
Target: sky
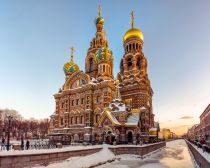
[(36, 36)]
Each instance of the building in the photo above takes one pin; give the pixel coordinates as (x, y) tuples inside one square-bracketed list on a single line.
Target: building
[(205, 124), (92, 103)]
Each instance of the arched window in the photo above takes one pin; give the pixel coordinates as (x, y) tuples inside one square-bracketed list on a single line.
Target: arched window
[(138, 64), (133, 46), (129, 63), (137, 48), (129, 46), (81, 119), (103, 68), (91, 64)]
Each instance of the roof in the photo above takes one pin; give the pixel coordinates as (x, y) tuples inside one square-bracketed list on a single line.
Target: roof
[(132, 120), (111, 117), (117, 106)]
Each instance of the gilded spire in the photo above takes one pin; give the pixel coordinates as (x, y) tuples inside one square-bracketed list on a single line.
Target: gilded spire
[(132, 19), (72, 54), (99, 9)]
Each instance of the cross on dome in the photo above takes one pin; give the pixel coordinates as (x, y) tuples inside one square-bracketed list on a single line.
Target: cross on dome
[(132, 19), (72, 54)]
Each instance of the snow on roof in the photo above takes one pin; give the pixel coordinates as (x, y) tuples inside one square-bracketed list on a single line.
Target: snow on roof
[(112, 117), (143, 108), (133, 119), (116, 105), (153, 129)]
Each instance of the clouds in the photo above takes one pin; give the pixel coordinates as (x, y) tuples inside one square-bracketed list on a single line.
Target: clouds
[(186, 117)]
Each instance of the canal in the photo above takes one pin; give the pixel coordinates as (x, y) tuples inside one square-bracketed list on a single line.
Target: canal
[(174, 155)]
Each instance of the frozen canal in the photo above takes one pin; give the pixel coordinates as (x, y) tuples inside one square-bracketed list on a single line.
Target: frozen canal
[(174, 155)]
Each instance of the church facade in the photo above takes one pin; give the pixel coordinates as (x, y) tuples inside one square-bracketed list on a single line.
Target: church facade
[(92, 104)]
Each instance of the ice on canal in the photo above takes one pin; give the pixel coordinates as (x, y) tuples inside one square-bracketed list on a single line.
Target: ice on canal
[(174, 155)]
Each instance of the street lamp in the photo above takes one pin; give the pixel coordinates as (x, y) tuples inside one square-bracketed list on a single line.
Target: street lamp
[(8, 135)]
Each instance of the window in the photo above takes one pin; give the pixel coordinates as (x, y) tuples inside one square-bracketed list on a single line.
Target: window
[(72, 103), (72, 120), (97, 117), (62, 105), (103, 68), (77, 120), (77, 102), (138, 64), (81, 119), (82, 101), (129, 63), (137, 46), (91, 65), (97, 99), (61, 121)]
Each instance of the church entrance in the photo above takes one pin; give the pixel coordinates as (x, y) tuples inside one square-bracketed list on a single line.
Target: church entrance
[(130, 137)]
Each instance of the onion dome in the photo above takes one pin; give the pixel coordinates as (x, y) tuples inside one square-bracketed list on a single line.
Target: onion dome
[(133, 32), (99, 20), (70, 67), (105, 54)]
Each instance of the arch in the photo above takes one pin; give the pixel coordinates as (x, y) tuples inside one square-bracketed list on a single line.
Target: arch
[(91, 64), (134, 47), (76, 138), (130, 137), (81, 76)]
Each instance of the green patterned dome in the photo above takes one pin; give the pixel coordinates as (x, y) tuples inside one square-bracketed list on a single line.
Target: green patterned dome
[(70, 67)]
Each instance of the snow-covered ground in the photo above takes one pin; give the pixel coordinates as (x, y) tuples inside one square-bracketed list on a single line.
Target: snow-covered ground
[(86, 161), (174, 155)]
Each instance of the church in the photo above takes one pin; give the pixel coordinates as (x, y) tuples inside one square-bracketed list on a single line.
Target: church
[(93, 106)]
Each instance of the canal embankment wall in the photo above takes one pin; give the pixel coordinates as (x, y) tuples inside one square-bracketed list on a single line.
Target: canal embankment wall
[(18, 160), (199, 155)]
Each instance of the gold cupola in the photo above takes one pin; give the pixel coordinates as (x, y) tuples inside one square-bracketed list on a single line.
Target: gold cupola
[(133, 32), (70, 67)]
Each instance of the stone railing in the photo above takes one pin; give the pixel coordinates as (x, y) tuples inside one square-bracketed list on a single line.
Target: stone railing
[(136, 150), (200, 160), (31, 158)]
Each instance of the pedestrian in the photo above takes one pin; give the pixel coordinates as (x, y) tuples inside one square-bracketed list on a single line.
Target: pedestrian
[(3, 141), (27, 144), (202, 141), (22, 144)]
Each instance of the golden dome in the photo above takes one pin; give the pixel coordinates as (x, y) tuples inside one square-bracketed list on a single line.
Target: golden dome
[(132, 33)]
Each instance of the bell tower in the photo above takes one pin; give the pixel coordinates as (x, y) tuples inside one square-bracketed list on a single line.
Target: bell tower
[(99, 59), (133, 76)]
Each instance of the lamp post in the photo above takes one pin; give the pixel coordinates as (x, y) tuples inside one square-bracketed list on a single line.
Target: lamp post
[(8, 135)]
